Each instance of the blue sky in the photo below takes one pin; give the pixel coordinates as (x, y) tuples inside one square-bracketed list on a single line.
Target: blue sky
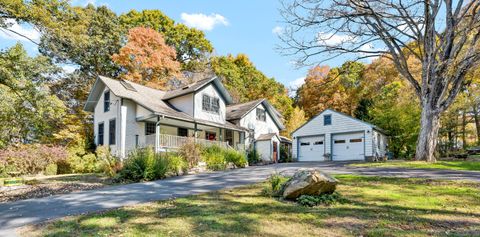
[(246, 26)]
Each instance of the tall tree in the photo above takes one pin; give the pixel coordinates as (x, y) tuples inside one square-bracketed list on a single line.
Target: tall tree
[(146, 58), (192, 47), (245, 82), (442, 35), (29, 112), (339, 88)]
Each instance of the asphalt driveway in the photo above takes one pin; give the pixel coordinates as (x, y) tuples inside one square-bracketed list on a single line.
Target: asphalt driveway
[(31, 211)]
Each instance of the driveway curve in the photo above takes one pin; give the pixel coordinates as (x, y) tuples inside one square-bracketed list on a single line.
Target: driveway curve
[(32, 211)]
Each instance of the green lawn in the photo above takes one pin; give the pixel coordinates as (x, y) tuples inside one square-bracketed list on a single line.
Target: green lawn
[(448, 165), (376, 207)]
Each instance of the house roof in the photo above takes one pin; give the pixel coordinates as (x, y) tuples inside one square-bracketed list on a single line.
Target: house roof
[(238, 111), (147, 97), (344, 114), (196, 86), (266, 137), (285, 139)]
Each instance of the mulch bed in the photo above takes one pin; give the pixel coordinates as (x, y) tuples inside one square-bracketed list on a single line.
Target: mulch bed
[(11, 194)]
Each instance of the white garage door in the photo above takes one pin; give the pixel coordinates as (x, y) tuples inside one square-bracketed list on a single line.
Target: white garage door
[(311, 148), (348, 146)]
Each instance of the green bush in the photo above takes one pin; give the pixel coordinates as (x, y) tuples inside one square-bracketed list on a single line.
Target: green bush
[(107, 163), (276, 182), (285, 155), (86, 163), (145, 164), (177, 164), (237, 158), (253, 157), (214, 156), (324, 199), (51, 169)]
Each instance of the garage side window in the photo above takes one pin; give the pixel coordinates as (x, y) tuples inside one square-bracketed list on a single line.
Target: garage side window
[(339, 141), (355, 140), (318, 143), (327, 119), (304, 143)]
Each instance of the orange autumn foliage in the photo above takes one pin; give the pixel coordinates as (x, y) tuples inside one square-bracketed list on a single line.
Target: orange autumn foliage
[(147, 59)]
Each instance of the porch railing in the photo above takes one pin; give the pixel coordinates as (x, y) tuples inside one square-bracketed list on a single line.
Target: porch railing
[(172, 141)]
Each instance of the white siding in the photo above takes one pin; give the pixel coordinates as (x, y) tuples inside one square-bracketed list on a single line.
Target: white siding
[(340, 124), (133, 128), (261, 127), (264, 149), (142, 111), (183, 103), (379, 144), (205, 115), (100, 116)]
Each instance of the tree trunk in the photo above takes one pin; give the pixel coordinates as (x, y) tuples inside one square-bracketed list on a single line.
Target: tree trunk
[(477, 123), (427, 138), (464, 130)]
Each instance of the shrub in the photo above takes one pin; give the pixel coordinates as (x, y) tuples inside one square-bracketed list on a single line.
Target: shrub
[(285, 155), (177, 164), (253, 156), (51, 169), (276, 182), (324, 199), (191, 152), (31, 158), (214, 157), (145, 164), (237, 158), (87, 163), (107, 163)]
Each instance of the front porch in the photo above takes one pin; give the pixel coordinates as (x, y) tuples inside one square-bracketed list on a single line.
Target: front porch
[(166, 133)]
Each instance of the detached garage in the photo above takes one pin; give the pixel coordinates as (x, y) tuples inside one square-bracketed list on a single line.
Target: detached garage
[(332, 135)]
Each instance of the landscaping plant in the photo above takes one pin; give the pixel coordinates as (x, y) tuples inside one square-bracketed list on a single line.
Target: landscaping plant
[(214, 157), (177, 164), (253, 157), (324, 199), (237, 158), (31, 158), (191, 152), (108, 163)]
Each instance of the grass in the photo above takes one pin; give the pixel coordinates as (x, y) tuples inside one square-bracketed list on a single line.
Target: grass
[(447, 165), (376, 207)]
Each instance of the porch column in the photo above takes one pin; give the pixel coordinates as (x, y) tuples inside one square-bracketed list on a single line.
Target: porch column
[(157, 135), (220, 137), (123, 129)]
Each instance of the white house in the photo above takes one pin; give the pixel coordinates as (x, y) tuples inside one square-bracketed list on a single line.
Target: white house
[(332, 135), (127, 115)]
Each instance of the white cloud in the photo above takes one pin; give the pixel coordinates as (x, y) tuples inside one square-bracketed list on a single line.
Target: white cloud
[(202, 21), (295, 84), (68, 68), (277, 30), (330, 39), (24, 30)]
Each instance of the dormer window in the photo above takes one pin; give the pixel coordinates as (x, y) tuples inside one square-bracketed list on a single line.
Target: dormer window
[(210, 104), (106, 101), (261, 115)]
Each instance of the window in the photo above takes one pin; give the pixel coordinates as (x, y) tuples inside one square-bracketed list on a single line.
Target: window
[(210, 104), (339, 141), (318, 143), (304, 143), (182, 132), (210, 136), (106, 101), (327, 119), (355, 140), (101, 131), (261, 114), (111, 132), (229, 136), (150, 128)]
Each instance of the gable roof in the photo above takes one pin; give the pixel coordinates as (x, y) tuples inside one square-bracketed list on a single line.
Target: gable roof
[(147, 97), (196, 86), (266, 137), (344, 114), (238, 111)]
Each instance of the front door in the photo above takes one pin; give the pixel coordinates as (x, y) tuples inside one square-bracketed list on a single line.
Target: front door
[(210, 136), (275, 153)]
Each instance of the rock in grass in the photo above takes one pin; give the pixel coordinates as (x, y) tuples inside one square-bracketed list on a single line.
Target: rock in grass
[(309, 182)]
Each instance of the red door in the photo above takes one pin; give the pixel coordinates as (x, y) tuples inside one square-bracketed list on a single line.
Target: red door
[(275, 153)]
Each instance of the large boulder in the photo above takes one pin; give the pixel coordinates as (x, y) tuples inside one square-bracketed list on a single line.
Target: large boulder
[(309, 182)]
